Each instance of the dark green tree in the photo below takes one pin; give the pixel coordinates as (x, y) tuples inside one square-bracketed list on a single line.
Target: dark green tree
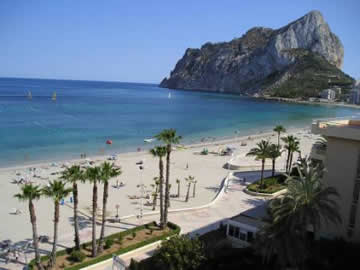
[(261, 152), (108, 171), (57, 191), (181, 253), (31, 193), (160, 152), (73, 175), (169, 137)]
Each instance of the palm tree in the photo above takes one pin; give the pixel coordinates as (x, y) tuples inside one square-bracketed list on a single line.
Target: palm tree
[(308, 204), (278, 129), (261, 152), (56, 190), (274, 153), (93, 175), (160, 152), (169, 137), (178, 191), (292, 145), (73, 175), (189, 180), (31, 193), (108, 171)]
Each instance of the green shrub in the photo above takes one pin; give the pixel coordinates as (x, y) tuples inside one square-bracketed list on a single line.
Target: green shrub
[(133, 234), (120, 239), (108, 243), (77, 256), (175, 230), (271, 185)]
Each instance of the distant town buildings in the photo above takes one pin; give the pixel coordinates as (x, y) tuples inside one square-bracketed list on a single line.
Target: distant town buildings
[(328, 94), (354, 95)]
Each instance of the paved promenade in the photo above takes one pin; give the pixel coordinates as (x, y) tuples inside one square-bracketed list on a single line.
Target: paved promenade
[(233, 202)]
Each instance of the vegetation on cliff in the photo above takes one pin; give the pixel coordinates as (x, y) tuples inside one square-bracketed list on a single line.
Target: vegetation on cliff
[(307, 77)]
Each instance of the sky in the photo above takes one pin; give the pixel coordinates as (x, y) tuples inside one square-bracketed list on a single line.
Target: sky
[(141, 41)]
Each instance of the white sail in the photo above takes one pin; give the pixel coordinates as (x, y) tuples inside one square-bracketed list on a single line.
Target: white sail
[(29, 95), (54, 96), (169, 96)]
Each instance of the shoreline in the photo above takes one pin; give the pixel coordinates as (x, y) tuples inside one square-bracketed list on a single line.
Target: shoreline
[(221, 141), (306, 102), (208, 170)]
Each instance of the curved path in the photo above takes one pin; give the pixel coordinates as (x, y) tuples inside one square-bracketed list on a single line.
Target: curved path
[(231, 203)]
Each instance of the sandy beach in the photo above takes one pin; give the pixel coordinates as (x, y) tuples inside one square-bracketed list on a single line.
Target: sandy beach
[(208, 170)]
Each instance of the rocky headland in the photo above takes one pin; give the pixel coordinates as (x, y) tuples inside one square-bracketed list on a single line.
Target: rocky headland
[(297, 60)]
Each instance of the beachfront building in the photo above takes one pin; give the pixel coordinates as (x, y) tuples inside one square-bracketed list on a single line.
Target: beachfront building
[(354, 97), (241, 229), (341, 158), (328, 94)]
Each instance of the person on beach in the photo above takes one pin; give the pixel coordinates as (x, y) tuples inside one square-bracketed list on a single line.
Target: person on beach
[(187, 166)]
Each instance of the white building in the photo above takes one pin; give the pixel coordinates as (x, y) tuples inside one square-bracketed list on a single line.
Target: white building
[(241, 229), (328, 94), (354, 97)]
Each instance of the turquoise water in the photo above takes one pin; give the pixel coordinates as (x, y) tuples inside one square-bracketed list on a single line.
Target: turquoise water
[(86, 114)]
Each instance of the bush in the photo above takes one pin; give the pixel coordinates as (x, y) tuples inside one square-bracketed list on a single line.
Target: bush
[(108, 243), (120, 239), (271, 185), (77, 256), (133, 234)]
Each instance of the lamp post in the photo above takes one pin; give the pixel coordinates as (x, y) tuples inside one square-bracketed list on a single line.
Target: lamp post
[(142, 192)]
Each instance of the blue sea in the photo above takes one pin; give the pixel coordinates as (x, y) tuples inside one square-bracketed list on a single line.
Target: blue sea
[(87, 113)]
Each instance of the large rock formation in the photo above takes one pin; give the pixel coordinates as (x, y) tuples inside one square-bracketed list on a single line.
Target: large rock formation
[(259, 61)]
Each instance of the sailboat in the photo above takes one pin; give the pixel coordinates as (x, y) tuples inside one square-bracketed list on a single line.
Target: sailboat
[(29, 95), (169, 96), (54, 96)]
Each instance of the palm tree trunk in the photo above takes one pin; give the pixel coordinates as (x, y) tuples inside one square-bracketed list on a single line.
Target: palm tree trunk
[(188, 193), (287, 162), (161, 187), (278, 140), (290, 163), (76, 224), (273, 167), (94, 208), (56, 222), (167, 184), (178, 193), (194, 188), (35, 234), (102, 233), (262, 173), (154, 201)]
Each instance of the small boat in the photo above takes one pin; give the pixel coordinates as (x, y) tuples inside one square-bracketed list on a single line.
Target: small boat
[(29, 95), (54, 96), (109, 142), (149, 140)]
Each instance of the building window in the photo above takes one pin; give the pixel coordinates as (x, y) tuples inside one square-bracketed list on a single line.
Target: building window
[(250, 237), (237, 231), (242, 236), (231, 230)]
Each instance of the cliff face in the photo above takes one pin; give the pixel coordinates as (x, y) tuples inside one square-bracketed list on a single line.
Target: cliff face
[(247, 64)]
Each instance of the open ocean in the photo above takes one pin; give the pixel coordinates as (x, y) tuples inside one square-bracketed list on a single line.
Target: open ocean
[(87, 113)]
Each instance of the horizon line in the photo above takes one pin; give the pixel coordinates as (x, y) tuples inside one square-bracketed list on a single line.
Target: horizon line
[(81, 80)]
